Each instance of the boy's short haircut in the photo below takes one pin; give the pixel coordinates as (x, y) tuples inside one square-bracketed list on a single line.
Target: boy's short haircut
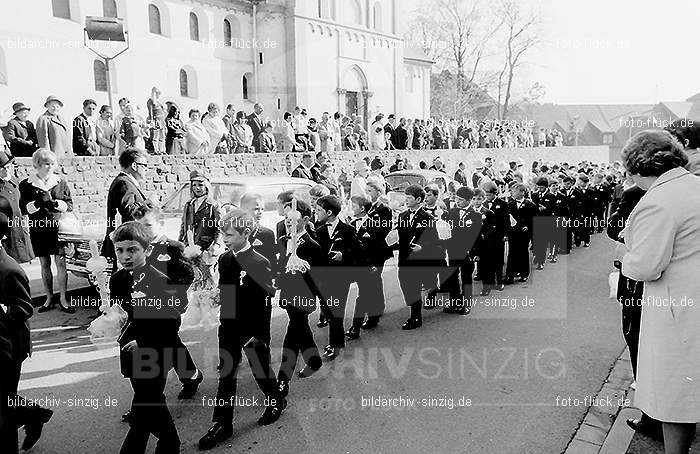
[(490, 187), (416, 191), (519, 187), (132, 231), (377, 187), (568, 179), (285, 197), (146, 208), (330, 203), (249, 198), (478, 192), (362, 202), (432, 188), (319, 190), (304, 209), (237, 219), (583, 177)]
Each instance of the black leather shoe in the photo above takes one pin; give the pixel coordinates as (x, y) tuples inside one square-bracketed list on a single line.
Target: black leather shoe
[(190, 385), (586, 244), (486, 291), (523, 279), (66, 309), (353, 333), (217, 433), (648, 427), (540, 266), (322, 322), (412, 323), (554, 259), (370, 323), (43, 309), (283, 387), (332, 353), (273, 412), (461, 311), (33, 428), (128, 417), (500, 287), (508, 281), (308, 371)]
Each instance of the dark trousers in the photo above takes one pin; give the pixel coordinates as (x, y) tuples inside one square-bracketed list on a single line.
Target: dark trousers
[(182, 361), (459, 293), (629, 294), (542, 233), (150, 416), (232, 344), (412, 279), (15, 415), (581, 230), (518, 256), (333, 308), (370, 294), (298, 339)]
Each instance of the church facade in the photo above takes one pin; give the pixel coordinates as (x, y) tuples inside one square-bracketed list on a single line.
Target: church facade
[(324, 55)]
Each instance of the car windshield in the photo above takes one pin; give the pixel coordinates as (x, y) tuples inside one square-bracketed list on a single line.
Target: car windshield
[(401, 182), (231, 193)]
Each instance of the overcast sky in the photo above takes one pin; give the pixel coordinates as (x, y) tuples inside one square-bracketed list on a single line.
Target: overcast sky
[(616, 51)]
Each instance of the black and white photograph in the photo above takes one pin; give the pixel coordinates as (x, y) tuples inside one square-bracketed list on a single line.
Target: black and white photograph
[(349, 227)]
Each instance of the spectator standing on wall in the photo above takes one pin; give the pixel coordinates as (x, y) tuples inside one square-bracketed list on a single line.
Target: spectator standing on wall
[(21, 134), (255, 122), (52, 130), (105, 132), (84, 131)]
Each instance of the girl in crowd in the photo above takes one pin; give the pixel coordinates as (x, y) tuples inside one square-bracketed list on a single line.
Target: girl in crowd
[(106, 134), (44, 196)]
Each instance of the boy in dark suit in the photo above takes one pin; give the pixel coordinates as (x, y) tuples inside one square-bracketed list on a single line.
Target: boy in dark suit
[(463, 250), (298, 294), (338, 243), (567, 222), (543, 223), (560, 213), (261, 238), (495, 240), (245, 286), (580, 209), (418, 247), (523, 211), (147, 339), (166, 256), (489, 236)]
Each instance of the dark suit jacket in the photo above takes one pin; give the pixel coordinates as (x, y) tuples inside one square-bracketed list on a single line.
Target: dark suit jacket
[(15, 342), (438, 138), (245, 286), (579, 203), (81, 134), (204, 223), (21, 138), (467, 233), (523, 216), (263, 241), (401, 142), (167, 258), (256, 125), (501, 218), (630, 198), (416, 138), (379, 226), (304, 286), (420, 231), (123, 197), (391, 130), (303, 172), (335, 276), (267, 143)]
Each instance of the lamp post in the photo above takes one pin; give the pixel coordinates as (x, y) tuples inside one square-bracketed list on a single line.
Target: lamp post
[(109, 29), (255, 4)]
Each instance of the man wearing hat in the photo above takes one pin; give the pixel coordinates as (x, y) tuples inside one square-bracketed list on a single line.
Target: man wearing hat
[(21, 134), (53, 131)]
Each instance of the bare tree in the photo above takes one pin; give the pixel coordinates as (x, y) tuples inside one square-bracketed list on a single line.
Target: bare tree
[(520, 36)]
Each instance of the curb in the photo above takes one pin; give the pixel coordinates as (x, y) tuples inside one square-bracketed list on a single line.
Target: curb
[(603, 429)]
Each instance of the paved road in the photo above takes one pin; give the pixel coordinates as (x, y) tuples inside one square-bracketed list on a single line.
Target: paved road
[(491, 382)]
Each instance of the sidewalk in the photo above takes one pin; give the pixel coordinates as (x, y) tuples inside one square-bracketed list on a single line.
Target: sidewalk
[(604, 430)]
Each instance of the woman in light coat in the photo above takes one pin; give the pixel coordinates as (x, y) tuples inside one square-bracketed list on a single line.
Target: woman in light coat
[(663, 250), (197, 136), (218, 132)]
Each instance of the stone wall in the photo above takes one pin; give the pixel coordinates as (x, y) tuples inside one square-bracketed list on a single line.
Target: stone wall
[(90, 177)]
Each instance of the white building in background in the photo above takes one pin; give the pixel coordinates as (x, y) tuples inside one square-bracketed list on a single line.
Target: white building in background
[(324, 55)]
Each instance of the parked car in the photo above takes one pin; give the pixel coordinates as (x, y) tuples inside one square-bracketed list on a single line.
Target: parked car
[(226, 191), (399, 181)]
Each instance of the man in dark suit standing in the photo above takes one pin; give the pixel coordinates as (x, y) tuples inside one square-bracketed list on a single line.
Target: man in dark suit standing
[(338, 243), (245, 286), (84, 134), (298, 294), (390, 128), (305, 169), (418, 246), (495, 240), (15, 346), (401, 142), (125, 195), (256, 125), (523, 211)]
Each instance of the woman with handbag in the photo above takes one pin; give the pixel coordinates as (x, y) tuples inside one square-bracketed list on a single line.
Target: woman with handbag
[(44, 197)]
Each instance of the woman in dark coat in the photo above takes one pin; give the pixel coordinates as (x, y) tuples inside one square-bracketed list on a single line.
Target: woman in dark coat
[(17, 244), (21, 133), (176, 132), (43, 197)]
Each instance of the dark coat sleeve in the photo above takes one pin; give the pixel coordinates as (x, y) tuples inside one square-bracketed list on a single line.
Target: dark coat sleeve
[(618, 218)]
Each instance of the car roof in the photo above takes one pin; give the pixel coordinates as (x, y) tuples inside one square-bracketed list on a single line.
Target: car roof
[(260, 180), (420, 172)]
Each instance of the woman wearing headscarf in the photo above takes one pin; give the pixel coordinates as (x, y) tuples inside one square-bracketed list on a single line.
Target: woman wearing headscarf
[(663, 251), (43, 197)]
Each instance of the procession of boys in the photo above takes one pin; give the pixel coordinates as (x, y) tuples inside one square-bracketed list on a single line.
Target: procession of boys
[(497, 231)]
